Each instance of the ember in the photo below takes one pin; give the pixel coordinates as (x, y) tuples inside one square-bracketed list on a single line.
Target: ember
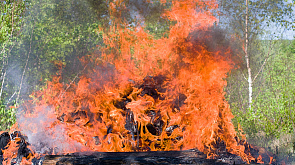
[(143, 94)]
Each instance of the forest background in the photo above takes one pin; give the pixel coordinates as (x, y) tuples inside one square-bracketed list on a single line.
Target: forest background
[(39, 39)]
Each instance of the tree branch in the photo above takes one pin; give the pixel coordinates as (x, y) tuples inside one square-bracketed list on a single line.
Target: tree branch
[(11, 97), (263, 62), (244, 76)]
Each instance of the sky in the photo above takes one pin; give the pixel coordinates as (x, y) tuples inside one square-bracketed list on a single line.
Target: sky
[(280, 32), (274, 32)]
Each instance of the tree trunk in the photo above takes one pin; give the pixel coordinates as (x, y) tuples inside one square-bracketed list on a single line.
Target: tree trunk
[(2, 84), (247, 57)]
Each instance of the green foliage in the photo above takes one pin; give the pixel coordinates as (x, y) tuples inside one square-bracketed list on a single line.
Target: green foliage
[(277, 100), (7, 117), (56, 31), (10, 19), (272, 112)]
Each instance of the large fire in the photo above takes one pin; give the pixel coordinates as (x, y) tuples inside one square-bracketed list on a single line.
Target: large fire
[(142, 93)]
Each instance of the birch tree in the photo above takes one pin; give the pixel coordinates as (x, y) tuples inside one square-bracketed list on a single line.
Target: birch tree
[(247, 21)]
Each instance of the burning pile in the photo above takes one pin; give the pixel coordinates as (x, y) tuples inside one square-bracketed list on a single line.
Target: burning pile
[(142, 94)]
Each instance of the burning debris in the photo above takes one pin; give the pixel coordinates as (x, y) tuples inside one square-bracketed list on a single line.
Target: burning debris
[(15, 149), (151, 121), (143, 94)]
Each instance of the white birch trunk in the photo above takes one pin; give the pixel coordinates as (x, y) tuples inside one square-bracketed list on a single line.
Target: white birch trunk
[(247, 57)]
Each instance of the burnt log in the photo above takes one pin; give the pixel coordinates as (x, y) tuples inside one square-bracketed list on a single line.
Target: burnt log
[(154, 157)]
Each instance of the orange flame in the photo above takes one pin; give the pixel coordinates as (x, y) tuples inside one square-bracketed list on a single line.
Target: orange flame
[(144, 94)]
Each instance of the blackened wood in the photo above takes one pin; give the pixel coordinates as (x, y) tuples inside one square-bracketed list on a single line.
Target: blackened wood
[(4, 140), (156, 157)]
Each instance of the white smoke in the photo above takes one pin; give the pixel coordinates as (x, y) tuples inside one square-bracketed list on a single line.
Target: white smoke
[(44, 135)]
